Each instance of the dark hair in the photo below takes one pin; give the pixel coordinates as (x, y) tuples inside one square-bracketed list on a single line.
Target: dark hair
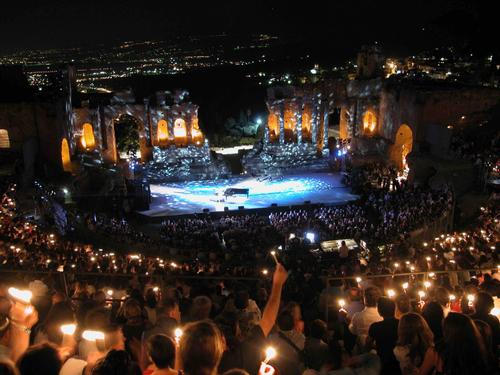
[(285, 321), (319, 329), (484, 303), (372, 294), (236, 371), (116, 362), (403, 303), (414, 332), (8, 368), (40, 359), (150, 297), (442, 296), (462, 350), (434, 315), (161, 349), (241, 299), (386, 307)]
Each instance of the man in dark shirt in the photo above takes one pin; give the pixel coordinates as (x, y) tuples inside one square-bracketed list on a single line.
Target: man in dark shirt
[(384, 335), (482, 306)]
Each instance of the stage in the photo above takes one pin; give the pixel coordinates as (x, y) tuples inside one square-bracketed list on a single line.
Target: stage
[(194, 196)]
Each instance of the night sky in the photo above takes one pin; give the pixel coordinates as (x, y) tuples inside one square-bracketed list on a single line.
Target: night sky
[(400, 26)]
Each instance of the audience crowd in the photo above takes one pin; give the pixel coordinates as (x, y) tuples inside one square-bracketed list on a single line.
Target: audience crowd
[(229, 306)]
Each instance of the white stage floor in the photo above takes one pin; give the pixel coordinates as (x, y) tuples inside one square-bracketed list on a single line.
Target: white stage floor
[(194, 196)]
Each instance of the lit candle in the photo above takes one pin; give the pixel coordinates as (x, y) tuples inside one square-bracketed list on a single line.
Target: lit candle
[(471, 298), (358, 279), (110, 292), (95, 337), (265, 272), (68, 331), (391, 293), (405, 286), (427, 284), (421, 294), (452, 297), (266, 369), (23, 296), (178, 334), (273, 254)]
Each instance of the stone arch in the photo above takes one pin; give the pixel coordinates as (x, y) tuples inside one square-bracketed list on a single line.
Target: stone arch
[(162, 132), (196, 134), (290, 125), (180, 132), (127, 130), (4, 139), (65, 155), (369, 122), (403, 145), (273, 126), (88, 139)]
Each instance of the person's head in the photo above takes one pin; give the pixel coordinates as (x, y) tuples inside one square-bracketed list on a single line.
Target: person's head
[(169, 307), (354, 294), (414, 332), (403, 305), (116, 362), (132, 310), (319, 329), (433, 313), (285, 321), (201, 348), (100, 298), (442, 296), (151, 298), (294, 309), (386, 307), (483, 303), (8, 368), (201, 308), (463, 350), (40, 359), (372, 294), (161, 350), (241, 299), (236, 371)]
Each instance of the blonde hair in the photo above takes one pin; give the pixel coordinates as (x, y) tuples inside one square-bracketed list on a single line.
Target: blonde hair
[(201, 348), (414, 332)]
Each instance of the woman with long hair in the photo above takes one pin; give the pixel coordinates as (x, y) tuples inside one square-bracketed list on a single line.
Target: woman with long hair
[(414, 340), (461, 352)]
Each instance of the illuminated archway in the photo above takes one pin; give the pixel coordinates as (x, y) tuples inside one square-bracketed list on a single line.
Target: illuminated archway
[(290, 125), (162, 131), (273, 126), (4, 138), (403, 144), (88, 140), (65, 155), (306, 123), (369, 122), (196, 134)]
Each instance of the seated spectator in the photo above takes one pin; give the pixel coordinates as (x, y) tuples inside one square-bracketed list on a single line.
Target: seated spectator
[(403, 305), (361, 321), (168, 318), (433, 314), (200, 309), (316, 349), (414, 339), (482, 305), (289, 345), (161, 352), (354, 303), (384, 335)]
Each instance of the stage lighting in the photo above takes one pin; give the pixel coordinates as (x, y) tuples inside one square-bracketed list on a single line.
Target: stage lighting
[(310, 236)]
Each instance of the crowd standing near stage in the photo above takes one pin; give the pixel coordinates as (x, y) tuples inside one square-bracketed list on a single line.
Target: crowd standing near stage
[(184, 323)]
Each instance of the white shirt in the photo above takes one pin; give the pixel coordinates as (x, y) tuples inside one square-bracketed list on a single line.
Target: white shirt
[(361, 321)]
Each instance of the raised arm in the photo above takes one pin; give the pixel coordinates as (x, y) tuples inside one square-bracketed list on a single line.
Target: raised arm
[(273, 304)]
